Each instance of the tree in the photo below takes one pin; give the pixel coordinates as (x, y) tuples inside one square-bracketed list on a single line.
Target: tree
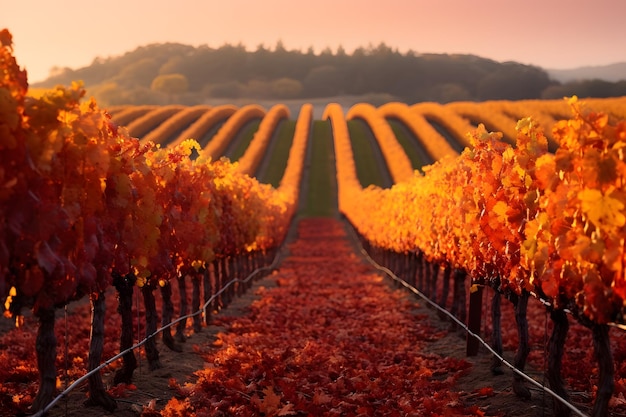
[(109, 94), (229, 89), (512, 81), (139, 73), (323, 81), (286, 88), (170, 84)]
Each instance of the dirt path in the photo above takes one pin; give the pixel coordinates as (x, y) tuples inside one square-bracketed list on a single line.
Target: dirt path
[(330, 336), (325, 334)]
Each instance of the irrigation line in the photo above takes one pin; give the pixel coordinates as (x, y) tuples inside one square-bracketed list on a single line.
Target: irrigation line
[(202, 310), (464, 326)]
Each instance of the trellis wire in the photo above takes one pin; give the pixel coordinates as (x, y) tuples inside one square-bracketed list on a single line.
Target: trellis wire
[(463, 326), (387, 271), (202, 310)]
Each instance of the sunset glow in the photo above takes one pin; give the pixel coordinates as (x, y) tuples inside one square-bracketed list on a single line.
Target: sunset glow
[(551, 34)]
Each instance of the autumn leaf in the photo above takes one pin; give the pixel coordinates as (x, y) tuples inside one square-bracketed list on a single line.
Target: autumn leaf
[(270, 403), (321, 397), (602, 210), (287, 410), (485, 391)]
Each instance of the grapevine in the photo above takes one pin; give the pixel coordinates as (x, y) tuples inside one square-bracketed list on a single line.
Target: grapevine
[(501, 214), (436, 146), (85, 206), (398, 162)]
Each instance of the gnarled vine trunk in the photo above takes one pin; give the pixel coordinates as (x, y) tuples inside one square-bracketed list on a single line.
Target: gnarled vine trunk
[(556, 348), (602, 349), (97, 393), (210, 289), (195, 297), (46, 347), (496, 332), (166, 317), (152, 353), (519, 361), (125, 286), (445, 290), (184, 309)]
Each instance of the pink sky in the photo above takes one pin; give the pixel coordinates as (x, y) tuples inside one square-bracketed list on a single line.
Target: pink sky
[(546, 33)]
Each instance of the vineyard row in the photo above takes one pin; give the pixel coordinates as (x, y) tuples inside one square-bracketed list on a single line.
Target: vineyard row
[(86, 206)]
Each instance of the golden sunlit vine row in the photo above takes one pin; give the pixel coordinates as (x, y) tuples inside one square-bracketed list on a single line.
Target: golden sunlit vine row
[(348, 185), (129, 113), (254, 153), (397, 160), (206, 122), (290, 183), (435, 144), (227, 132), (174, 124), (116, 109), (488, 113), (140, 126), (523, 221), (453, 123), (83, 202)]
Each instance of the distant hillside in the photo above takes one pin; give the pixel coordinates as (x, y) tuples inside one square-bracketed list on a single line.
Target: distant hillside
[(176, 73), (612, 73)]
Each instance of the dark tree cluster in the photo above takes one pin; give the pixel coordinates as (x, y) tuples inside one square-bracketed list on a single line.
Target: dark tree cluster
[(233, 72)]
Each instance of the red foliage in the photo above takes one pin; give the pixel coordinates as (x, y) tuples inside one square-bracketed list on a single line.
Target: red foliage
[(331, 339)]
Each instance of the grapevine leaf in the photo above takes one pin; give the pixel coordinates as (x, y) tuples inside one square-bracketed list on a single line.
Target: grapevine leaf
[(602, 210)]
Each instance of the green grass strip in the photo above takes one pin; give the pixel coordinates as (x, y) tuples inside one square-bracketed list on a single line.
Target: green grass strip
[(277, 163), (367, 168), (407, 141), (243, 139), (321, 190)]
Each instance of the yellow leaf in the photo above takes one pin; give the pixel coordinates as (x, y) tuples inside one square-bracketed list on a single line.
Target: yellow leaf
[(500, 209), (602, 210)]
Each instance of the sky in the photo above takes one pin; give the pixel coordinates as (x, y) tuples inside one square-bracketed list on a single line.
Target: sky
[(552, 34)]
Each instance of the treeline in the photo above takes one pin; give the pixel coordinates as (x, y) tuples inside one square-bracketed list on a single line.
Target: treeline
[(176, 73)]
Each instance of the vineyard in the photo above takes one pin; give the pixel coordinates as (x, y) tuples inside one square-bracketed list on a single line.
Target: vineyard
[(131, 225)]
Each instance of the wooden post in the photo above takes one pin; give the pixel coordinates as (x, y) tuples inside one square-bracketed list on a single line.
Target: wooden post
[(474, 318)]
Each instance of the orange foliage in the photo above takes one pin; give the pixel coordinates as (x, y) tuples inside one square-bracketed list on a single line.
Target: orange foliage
[(251, 159), (551, 223), (397, 161), (173, 124), (227, 132), (200, 127), (141, 126), (435, 144), (290, 183)]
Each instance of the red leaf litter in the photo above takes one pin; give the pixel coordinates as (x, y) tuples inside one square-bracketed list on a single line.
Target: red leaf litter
[(332, 338)]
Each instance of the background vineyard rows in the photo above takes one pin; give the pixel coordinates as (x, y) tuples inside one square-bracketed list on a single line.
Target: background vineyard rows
[(429, 131), (386, 145)]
